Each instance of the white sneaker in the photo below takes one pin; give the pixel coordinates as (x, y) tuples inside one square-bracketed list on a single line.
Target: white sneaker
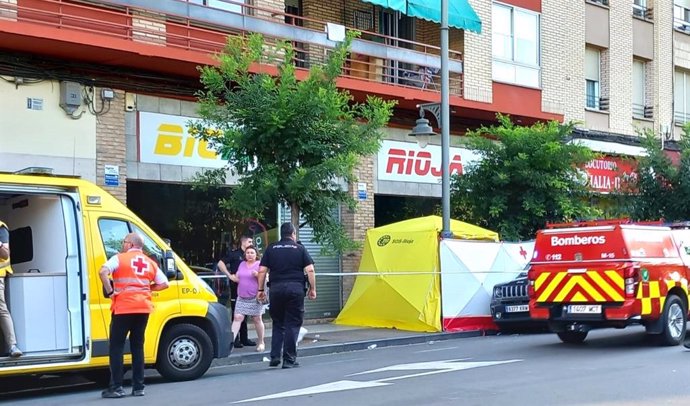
[(302, 332), (15, 352)]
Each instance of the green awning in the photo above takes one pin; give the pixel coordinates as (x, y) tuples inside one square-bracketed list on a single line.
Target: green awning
[(460, 13)]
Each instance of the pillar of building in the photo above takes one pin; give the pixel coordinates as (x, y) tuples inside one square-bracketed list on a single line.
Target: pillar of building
[(111, 145), (356, 222), (663, 65), (563, 84), (478, 84), (620, 68)]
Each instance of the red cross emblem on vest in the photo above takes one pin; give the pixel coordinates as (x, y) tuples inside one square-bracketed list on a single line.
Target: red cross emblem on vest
[(139, 265)]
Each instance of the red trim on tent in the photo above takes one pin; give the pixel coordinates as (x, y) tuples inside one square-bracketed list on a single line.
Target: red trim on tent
[(468, 323)]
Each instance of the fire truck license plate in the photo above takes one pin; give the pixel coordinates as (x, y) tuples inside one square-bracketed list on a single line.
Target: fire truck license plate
[(584, 309), (517, 308)]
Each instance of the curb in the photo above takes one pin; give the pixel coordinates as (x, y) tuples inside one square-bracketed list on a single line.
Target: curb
[(250, 358)]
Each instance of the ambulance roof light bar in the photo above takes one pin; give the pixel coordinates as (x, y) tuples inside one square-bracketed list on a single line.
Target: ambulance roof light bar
[(35, 170)]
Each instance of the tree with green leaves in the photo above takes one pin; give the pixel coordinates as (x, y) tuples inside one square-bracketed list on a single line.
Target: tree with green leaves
[(525, 177), (662, 189), (290, 141)]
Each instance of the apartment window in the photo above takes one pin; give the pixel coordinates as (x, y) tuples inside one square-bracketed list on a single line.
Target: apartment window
[(638, 87), (681, 97), (220, 4), (593, 78), (681, 15), (515, 45), (640, 8)]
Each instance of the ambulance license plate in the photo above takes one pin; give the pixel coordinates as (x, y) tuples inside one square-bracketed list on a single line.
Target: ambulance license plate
[(584, 309), (517, 308)]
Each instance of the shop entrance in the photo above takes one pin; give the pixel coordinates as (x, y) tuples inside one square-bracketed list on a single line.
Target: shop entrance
[(198, 230), (391, 209)]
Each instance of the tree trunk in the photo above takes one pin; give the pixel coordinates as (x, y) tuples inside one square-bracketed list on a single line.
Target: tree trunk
[(294, 217)]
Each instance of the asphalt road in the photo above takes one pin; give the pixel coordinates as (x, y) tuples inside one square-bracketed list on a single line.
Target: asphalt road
[(613, 367)]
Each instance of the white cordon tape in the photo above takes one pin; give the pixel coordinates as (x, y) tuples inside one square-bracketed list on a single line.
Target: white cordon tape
[(378, 274)]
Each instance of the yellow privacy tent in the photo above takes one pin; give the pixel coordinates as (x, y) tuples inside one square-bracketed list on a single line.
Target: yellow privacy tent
[(398, 281)]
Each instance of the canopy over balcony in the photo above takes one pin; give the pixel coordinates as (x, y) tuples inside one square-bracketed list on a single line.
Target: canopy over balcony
[(460, 13)]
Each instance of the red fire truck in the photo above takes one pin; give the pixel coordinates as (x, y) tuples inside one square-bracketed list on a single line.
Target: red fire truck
[(611, 274)]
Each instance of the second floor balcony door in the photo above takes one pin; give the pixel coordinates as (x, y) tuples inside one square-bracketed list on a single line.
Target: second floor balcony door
[(398, 26)]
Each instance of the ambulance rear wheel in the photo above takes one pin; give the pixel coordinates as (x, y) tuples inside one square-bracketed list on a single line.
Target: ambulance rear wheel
[(572, 337), (674, 321), (185, 353)]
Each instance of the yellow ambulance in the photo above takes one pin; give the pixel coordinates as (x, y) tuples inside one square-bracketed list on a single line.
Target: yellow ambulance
[(62, 230)]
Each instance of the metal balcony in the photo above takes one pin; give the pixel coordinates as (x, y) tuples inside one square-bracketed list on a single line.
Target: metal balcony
[(200, 29)]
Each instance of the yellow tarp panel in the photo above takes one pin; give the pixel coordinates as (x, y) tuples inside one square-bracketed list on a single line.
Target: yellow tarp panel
[(461, 230), (398, 283)]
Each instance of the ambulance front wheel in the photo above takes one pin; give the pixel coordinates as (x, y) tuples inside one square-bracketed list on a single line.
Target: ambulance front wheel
[(185, 353), (572, 337), (674, 321)]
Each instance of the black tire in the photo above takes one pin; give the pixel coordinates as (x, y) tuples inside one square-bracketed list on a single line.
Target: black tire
[(185, 353), (572, 337), (674, 320)]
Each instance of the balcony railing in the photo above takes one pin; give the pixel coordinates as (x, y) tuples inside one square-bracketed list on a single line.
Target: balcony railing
[(640, 10), (681, 18), (597, 103), (681, 117), (602, 2), (183, 24), (642, 111)]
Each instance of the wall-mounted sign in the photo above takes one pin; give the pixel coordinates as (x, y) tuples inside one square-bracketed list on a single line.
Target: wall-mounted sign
[(407, 162), (610, 173), (164, 139), (362, 191), (111, 175)]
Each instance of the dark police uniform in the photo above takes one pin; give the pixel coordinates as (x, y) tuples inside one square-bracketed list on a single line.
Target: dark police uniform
[(286, 261)]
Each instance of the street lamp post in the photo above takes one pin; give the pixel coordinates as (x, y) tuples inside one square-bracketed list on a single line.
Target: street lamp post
[(423, 130)]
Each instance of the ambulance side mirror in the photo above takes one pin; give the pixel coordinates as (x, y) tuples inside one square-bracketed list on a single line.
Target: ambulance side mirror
[(169, 265)]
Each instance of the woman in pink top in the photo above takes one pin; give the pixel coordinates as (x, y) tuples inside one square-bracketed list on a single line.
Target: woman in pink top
[(247, 288)]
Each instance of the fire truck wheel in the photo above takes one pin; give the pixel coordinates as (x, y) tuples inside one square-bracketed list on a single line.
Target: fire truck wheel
[(572, 337), (674, 321)]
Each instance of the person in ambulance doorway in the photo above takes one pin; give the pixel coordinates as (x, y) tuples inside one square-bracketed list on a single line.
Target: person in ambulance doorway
[(6, 324), (286, 262), (229, 265), (134, 276)]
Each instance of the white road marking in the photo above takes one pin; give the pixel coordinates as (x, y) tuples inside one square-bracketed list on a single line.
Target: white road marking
[(325, 388), (436, 349), (428, 368)]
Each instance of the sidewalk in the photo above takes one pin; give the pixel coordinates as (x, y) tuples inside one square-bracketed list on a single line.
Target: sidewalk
[(329, 338)]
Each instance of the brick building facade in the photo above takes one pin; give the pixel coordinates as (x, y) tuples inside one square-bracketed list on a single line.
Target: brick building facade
[(149, 53)]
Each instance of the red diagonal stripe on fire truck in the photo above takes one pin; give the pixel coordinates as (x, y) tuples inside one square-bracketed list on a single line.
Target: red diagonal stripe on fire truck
[(579, 289), (611, 286), (547, 287)]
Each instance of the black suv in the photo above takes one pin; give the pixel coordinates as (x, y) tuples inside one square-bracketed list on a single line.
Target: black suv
[(510, 305)]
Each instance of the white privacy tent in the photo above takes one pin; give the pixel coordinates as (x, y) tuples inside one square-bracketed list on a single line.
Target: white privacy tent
[(469, 271)]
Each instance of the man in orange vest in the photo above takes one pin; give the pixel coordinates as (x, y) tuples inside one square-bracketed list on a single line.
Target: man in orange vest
[(134, 277), (6, 324)]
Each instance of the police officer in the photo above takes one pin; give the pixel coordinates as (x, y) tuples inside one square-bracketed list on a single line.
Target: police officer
[(287, 262), (6, 325)]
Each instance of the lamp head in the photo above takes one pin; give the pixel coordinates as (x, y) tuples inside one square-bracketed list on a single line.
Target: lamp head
[(422, 131)]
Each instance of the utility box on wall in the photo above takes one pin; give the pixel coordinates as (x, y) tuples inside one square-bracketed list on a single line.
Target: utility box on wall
[(70, 96)]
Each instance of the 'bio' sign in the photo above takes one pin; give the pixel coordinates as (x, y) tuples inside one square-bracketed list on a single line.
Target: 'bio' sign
[(164, 139)]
